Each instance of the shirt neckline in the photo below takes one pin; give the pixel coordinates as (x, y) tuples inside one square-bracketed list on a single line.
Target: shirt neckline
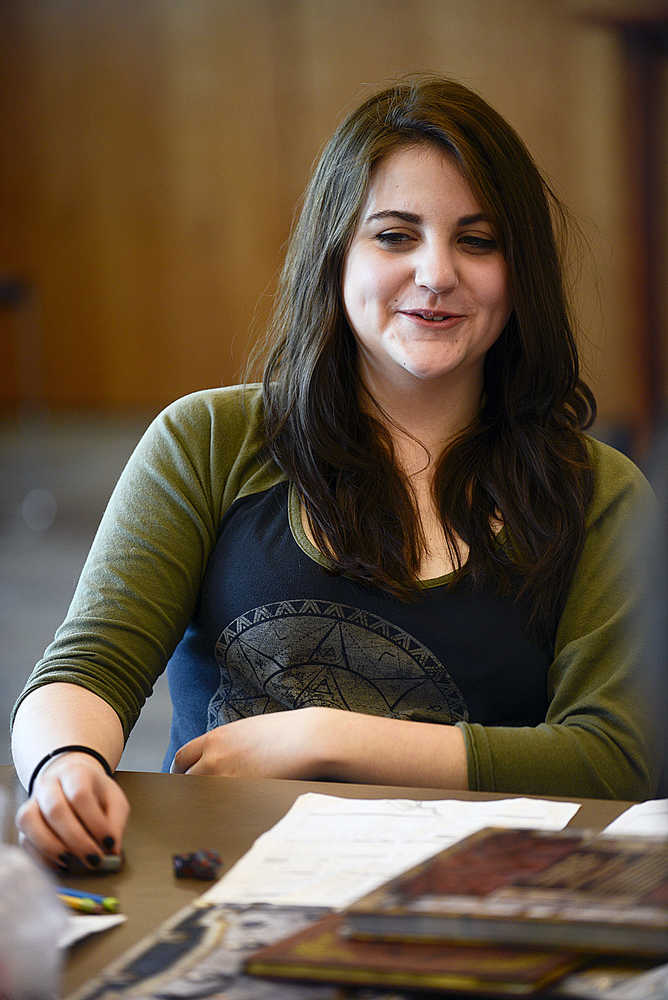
[(309, 549)]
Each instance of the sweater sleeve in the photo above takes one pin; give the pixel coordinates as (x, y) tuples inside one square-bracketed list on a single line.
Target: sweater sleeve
[(141, 580), (598, 739)]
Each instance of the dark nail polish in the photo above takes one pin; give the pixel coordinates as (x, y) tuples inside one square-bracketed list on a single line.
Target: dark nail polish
[(108, 843), (74, 864), (93, 859), (64, 859)]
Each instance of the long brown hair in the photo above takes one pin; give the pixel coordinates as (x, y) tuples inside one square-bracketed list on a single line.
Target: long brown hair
[(524, 455)]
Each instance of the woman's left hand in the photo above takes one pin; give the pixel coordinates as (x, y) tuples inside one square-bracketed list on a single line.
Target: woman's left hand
[(276, 745)]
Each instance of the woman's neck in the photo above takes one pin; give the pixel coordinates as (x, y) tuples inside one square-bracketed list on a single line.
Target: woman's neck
[(422, 423)]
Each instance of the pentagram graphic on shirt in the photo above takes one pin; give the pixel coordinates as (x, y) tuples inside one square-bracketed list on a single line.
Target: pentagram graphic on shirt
[(298, 653)]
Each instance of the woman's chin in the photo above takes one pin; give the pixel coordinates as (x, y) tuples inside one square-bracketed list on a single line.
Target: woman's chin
[(430, 371)]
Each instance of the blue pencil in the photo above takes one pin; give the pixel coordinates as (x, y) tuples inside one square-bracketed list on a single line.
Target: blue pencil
[(109, 903)]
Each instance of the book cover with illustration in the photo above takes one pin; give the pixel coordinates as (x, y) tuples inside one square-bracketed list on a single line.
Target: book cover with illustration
[(568, 889)]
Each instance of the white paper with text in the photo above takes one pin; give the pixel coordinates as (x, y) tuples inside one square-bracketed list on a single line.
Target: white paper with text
[(328, 850)]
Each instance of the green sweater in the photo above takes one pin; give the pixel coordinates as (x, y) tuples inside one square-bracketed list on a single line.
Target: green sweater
[(142, 584)]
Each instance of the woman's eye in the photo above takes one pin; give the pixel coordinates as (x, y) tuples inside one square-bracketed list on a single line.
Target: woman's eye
[(480, 244), (393, 239)]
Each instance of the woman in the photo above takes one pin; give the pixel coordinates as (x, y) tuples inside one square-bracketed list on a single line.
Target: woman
[(403, 536)]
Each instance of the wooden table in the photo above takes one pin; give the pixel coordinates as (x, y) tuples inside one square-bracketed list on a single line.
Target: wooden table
[(174, 813)]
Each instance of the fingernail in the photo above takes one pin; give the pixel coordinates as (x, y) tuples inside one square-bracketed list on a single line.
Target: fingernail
[(108, 843), (64, 859), (93, 859)]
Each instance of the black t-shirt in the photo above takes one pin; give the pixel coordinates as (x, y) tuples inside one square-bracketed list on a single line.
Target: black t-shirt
[(275, 629)]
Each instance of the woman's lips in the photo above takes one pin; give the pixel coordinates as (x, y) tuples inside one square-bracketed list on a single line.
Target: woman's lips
[(432, 318)]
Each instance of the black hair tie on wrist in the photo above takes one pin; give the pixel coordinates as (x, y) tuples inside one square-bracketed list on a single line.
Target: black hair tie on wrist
[(74, 748)]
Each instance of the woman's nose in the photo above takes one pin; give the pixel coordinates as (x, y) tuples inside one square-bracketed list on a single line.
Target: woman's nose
[(436, 269)]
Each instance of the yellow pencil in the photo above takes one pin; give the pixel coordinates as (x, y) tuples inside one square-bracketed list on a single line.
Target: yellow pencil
[(80, 904), (108, 903)]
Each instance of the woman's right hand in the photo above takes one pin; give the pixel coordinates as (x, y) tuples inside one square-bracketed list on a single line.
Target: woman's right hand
[(75, 809)]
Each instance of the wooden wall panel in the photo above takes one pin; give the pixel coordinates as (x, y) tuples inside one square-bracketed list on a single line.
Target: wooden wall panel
[(155, 207), (156, 151)]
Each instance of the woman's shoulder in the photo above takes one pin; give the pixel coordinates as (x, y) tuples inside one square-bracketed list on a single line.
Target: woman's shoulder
[(233, 405), (207, 433), (223, 421), (617, 480), (212, 439)]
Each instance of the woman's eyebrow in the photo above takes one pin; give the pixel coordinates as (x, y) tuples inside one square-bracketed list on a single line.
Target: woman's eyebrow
[(469, 220), (395, 213)]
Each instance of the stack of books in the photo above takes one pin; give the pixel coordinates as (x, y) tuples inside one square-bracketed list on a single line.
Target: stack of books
[(503, 912)]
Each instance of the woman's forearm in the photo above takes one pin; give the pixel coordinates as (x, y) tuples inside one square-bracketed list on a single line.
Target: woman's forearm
[(60, 714), (371, 749)]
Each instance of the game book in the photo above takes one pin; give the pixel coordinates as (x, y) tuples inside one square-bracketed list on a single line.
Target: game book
[(201, 950), (570, 889), (319, 953)]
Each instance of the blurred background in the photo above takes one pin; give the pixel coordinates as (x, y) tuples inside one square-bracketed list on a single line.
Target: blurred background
[(151, 157)]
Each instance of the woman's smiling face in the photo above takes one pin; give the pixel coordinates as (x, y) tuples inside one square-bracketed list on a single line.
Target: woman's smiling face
[(425, 286)]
